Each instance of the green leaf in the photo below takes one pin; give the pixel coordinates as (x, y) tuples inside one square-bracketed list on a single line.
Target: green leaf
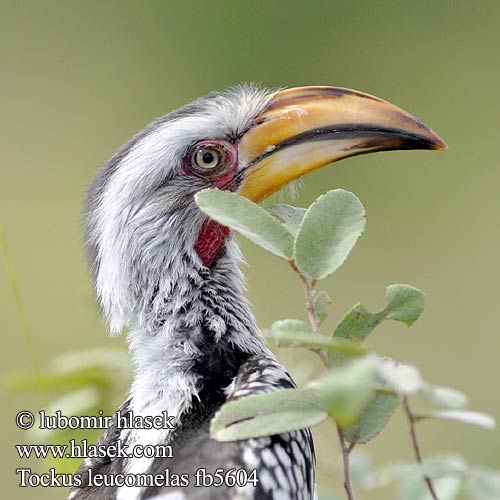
[(79, 402), (321, 302), (102, 368), (248, 219), (358, 323), (483, 484), (375, 417), (446, 475), (295, 333), (342, 393), (465, 416), (402, 379), (328, 232), (276, 412), (290, 216), (406, 303), (444, 396), (346, 391), (447, 488), (107, 358), (361, 467), (282, 329), (60, 381), (76, 402), (434, 467)]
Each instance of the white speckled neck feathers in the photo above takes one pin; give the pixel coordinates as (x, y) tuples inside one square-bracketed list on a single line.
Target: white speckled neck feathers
[(196, 330)]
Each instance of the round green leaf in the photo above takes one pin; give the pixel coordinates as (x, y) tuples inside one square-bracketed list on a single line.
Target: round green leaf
[(358, 323), (447, 478), (246, 217), (483, 484), (465, 416), (361, 466), (321, 302), (296, 333), (400, 378), (276, 412), (445, 396), (375, 417), (346, 391), (406, 303), (328, 232)]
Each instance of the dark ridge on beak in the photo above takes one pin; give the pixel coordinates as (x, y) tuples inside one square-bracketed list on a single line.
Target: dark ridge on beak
[(317, 93)]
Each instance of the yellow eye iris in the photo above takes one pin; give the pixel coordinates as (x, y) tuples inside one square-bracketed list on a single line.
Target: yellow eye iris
[(207, 158)]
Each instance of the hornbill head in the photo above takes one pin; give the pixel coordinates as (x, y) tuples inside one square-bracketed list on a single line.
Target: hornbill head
[(142, 220)]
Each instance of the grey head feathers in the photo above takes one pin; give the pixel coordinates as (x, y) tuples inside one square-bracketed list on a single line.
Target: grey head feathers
[(140, 217)]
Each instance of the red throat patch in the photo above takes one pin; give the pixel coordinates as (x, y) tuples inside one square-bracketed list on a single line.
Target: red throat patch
[(210, 241)]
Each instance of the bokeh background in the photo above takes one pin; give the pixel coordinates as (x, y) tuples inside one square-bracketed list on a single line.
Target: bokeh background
[(79, 78)]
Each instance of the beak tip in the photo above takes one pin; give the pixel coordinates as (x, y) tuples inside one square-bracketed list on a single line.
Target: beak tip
[(439, 145), (434, 142)]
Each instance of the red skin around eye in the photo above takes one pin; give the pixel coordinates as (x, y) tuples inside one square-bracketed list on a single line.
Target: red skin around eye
[(212, 234), (224, 179)]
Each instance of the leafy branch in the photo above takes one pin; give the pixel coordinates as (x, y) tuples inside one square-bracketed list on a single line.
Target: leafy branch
[(360, 390)]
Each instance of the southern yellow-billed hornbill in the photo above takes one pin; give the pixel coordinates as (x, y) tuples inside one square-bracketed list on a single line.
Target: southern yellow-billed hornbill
[(171, 277)]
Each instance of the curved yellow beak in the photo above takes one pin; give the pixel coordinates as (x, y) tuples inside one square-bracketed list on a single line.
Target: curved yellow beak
[(305, 128)]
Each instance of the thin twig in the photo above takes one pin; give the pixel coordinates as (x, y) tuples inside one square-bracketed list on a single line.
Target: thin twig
[(346, 449), (313, 319), (416, 447), (315, 325)]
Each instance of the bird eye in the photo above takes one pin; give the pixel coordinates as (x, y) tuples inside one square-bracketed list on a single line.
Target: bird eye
[(210, 159), (207, 158)]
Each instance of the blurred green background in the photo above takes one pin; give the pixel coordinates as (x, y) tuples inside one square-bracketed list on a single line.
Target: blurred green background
[(79, 78)]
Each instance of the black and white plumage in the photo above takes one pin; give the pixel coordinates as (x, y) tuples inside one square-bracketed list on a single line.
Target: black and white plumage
[(285, 462), (171, 277)]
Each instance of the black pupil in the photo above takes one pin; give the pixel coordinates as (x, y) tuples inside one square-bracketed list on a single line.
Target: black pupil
[(208, 157)]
